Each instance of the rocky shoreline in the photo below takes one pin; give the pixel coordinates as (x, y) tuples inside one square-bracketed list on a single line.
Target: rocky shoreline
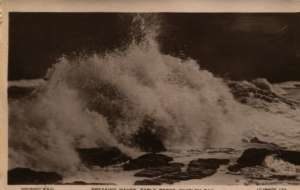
[(158, 168)]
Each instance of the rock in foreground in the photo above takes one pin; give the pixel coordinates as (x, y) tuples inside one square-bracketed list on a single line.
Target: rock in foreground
[(253, 157), (102, 156), (147, 182), (23, 176), (256, 156), (85, 183), (292, 157), (197, 169), (205, 167), (159, 171), (147, 161)]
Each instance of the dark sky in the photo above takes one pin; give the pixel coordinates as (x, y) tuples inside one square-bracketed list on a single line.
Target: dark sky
[(233, 45)]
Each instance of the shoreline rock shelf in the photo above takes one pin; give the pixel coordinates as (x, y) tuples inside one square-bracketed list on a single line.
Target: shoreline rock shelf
[(102, 156), (157, 169), (253, 164), (172, 172), (147, 161), (23, 176), (256, 156)]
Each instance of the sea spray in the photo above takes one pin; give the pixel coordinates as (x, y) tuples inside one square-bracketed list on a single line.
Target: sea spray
[(103, 100)]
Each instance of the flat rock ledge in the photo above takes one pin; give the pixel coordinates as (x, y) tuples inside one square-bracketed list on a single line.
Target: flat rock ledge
[(24, 176), (102, 156), (172, 172), (85, 183), (147, 161)]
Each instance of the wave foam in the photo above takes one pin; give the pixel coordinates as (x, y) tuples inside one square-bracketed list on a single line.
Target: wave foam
[(96, 101)]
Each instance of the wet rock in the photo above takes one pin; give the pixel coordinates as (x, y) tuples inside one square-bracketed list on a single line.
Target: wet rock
[(256, 172), (102, 156), (205, 167), (22, 176), (263, 173), (253, 157), (147, 182), (209, 163), (149, 137), (76, 183), (256, 157), (197, 173), (234, 168), (164, 180), (85, 183), (197, 169), (290, 156), (147, 161), (158, 171), (177, 176), (172, 173)]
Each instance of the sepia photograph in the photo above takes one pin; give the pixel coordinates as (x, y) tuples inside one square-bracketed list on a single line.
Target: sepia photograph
[(153, 98)]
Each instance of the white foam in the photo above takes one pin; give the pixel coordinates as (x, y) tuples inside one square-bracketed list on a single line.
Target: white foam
[(194, 108)]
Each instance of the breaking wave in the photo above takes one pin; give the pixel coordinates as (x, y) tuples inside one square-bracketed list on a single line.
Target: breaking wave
[(103, 100)]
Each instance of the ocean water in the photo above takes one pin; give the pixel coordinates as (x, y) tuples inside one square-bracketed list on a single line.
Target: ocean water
[(102, 100)]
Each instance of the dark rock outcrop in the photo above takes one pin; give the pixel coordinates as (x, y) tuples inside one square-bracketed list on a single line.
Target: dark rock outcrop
[(147, 182), (290, 156), (159, 171), (255, 157), (205, 167), (175, 177), (102, 156), (23, 176), (149, 137), (147, 161), (234, 168), (85, 183), (208, 163), (197, 169), (250, 158)]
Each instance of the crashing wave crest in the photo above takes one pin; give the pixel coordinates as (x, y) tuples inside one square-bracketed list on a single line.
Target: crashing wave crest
[(96, 101)]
